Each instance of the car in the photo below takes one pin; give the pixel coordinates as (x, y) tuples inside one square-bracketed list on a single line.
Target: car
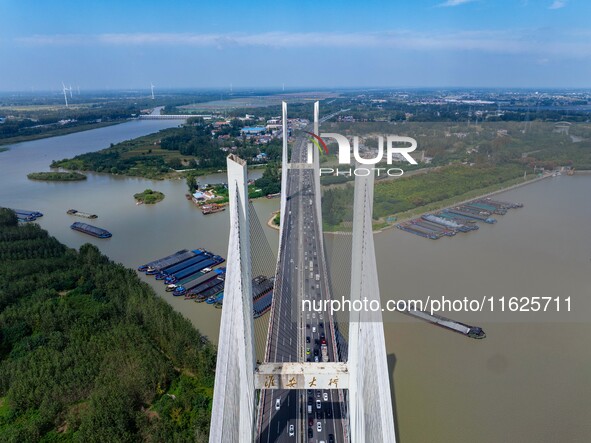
[(318, 415), (319, 426), (321, 324), (277, 404), (318, 394), (307, 351), (309, 360), (323, 341), (316, 353), (325, 396), (310, 422), (307, 339), (330, 438), (316, 359), (313, 328), (310, 433), (308, 325), (291, 430), (328, 413), (318, 404)]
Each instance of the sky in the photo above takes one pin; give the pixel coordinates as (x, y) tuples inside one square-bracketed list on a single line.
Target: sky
[(128, 44)]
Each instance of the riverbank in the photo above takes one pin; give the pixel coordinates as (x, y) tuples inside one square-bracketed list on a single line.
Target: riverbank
[(56, 132), (381, 225)]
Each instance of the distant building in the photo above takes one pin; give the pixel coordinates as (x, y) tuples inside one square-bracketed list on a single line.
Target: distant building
[(253, 130), (200, 196)]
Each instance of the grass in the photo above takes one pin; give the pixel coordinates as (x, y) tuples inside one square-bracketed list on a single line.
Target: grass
[(381, 223)]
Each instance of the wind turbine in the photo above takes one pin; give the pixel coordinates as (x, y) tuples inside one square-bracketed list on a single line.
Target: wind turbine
[(65, 91), (152, 89), (70, 91)]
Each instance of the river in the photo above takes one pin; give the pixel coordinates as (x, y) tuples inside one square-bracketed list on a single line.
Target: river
[(528, 381)]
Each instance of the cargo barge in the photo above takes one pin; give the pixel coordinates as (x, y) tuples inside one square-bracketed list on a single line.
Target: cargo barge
[(507, 205), (91, 230), (261, 288), (81, 214), (24, 215), (209, 262), (205, 277), (450, 224), (471, 215), (459, 219), (455, 326), (212, 208), (206, 290), (262, 305), (434, 227), (172, 269), (156, 265), (417, 232)]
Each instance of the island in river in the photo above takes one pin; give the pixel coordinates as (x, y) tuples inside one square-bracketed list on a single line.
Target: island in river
[(56, 176), (149, 197)]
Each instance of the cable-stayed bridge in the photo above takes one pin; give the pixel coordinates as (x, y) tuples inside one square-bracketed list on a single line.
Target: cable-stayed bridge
[(316, 381)]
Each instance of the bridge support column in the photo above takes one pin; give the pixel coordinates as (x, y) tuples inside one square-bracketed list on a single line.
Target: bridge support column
[(371, 417), (233, 411)]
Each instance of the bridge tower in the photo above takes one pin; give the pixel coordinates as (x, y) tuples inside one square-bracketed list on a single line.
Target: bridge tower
[(371, 418), (232, 418)]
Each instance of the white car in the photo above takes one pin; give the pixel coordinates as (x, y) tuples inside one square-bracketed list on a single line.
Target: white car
[(313, 328), (277, 404), (319, 426), (318, 405), (325, 396), (291, 431)]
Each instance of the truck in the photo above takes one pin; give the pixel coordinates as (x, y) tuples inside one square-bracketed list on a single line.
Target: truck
[(324, 352)]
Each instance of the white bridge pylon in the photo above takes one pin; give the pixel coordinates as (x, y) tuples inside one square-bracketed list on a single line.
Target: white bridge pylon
[(364, 375), (232, 417)]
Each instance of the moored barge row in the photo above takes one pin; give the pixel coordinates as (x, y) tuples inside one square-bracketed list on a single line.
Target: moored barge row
[(25, 215), (461, 218)]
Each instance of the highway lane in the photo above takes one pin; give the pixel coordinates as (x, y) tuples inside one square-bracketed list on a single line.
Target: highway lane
[(291, 329)]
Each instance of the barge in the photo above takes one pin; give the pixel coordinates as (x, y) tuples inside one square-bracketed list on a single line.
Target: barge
[(207, 263), (172, 269), (471, 215), (212, 208), (81, 214), (24, 215), (452, 325), (205, 277), (418, 232), (262, 304), (91, 230), (154, 267)]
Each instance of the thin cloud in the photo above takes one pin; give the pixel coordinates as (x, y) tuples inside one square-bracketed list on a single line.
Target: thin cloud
[(557, 4), (451, 3), (500, 42)]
